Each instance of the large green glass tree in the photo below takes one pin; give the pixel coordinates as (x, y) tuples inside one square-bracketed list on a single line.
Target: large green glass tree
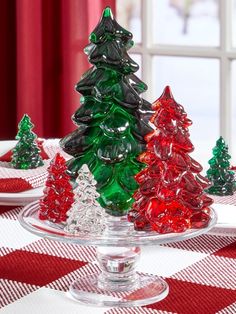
[(112, 119)]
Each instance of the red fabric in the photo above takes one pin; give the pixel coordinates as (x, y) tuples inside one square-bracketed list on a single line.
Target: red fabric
[(190, 298), (19, 180), (14, 185), (37, 272), (8, 155), (228, 251), (17, 184), (5, 209), (41, 60)]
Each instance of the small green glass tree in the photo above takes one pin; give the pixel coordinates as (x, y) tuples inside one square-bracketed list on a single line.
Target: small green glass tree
[(112, 119), (26, 154), (219, 173)]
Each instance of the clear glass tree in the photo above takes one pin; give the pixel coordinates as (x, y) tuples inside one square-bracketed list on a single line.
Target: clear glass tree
[(86, 214)]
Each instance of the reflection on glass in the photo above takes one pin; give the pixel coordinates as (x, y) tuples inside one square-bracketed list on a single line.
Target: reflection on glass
[(138, 59), (233, 151), (186, 22), (128, 14), (195, 85)]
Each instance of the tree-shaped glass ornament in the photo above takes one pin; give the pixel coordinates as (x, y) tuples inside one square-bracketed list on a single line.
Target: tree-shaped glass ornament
[(26, 154), (86, 214), (219, 173), (58, 193), (171, 194), (112, 119)]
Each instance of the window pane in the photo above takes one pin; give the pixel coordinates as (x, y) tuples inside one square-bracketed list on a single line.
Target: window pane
[(195, 85), (186, 22), (234, 113), (234, 24), (128, 15), (138, 59)]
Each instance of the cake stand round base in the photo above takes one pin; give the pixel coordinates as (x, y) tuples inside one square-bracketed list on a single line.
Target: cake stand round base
[(115, 282), (147, 289)]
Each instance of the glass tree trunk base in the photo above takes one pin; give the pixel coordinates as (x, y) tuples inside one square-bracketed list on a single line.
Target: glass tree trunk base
[(115, 282), (118, 284)]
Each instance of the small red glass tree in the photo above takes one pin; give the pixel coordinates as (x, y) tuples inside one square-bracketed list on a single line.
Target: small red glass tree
[(58, 193), (171, 194)]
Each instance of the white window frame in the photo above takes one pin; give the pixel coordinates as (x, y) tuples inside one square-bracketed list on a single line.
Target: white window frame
[(225, 53)]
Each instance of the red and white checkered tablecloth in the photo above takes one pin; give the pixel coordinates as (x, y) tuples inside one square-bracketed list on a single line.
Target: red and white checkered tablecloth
[(36, 273)]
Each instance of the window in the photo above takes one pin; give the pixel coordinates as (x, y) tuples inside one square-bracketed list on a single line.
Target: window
[(191, 46)]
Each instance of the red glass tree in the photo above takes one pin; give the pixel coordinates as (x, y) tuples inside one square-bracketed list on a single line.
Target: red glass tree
[(171, 194), (58, 193)]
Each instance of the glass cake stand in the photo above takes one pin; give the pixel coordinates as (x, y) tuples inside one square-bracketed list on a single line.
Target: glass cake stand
[(118, 251)]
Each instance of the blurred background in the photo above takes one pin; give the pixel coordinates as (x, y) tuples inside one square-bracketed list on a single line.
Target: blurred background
[(187, 44)]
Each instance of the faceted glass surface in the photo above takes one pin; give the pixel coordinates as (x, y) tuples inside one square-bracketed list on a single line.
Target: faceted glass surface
[(219, 173), (189, 22), (26, 154), (138, 59), (171, 194), (195, 83), (85, 215), (58, 193), (112, 119)]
